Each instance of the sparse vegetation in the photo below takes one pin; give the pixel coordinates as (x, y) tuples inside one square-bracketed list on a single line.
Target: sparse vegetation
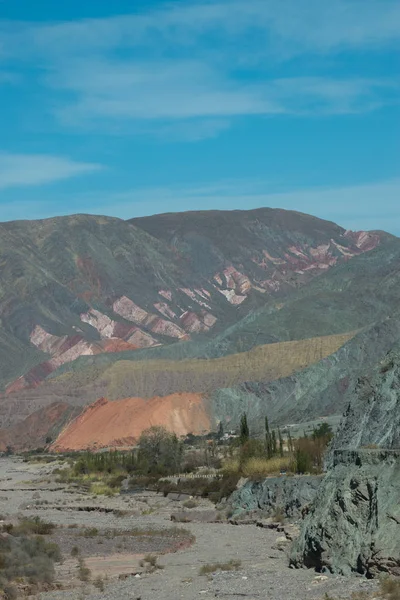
[(29, 526), (213, 489), (255, 458), (232, 565), (90, 532), (276, 360), (150, 564), (389, 589), (99, 583), (84, 573), (256, 467), (26, 557), (190, 504)]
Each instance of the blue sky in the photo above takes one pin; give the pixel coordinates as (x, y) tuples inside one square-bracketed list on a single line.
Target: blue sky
[(197, 105)]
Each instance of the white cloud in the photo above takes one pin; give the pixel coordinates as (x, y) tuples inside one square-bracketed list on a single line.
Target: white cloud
[(36, 169), (186, 61), (179, 90), (313, 25)]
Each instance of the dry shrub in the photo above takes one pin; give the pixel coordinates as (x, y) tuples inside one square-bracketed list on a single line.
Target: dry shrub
[(231, 466), (99, 583), (84, 572), (232, 565), (261, 467), (32, 526), (150, 564)]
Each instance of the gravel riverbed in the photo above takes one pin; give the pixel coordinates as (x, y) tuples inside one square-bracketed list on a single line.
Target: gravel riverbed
[(28, 489)]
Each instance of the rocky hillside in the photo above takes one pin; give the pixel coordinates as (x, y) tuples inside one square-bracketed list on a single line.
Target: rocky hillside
[(270, 311), (324, 388), (83, 285)]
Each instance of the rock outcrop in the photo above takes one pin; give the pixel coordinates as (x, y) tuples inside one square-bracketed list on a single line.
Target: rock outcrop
[(354, 522), (289, 495), (373, 416)]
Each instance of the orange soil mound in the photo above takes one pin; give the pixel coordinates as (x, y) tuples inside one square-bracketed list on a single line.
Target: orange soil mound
[(120, 422)]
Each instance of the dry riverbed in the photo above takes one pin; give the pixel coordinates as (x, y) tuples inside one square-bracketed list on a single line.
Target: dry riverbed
[(112, 537)]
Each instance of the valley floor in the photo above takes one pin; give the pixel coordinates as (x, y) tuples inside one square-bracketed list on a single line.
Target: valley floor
[(31, 489)]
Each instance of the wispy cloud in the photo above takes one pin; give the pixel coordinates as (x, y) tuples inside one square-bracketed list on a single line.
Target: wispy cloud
[(181, 90), (18, 170), (197, 65), (303, 27)]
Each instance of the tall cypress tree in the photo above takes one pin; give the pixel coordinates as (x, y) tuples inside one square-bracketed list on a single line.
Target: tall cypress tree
[(244, 429), (268, 440), (290, 442), (280, 442), (274, 445)]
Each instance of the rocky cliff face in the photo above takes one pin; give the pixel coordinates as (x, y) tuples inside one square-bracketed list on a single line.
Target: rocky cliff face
[(373, 415), (354, 522)]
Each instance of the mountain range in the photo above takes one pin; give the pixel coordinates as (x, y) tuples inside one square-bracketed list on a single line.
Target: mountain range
[(206, 313)]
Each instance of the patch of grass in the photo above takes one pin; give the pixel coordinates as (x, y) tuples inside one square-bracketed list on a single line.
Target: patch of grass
[(75, 551), (232, 565), (231, 466), (148, 511), (190, 504), (89, 532), (101, 489), (261, 467)]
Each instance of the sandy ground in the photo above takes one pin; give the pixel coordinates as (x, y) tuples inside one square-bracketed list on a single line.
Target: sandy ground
[(30, 489)]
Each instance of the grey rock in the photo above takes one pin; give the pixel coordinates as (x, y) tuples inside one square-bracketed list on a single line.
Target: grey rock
[(288, 494), (373, 415), (354, 522)]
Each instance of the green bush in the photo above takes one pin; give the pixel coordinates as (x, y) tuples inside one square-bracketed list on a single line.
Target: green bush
[(90, 532), (26, 558), (32, 526)]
